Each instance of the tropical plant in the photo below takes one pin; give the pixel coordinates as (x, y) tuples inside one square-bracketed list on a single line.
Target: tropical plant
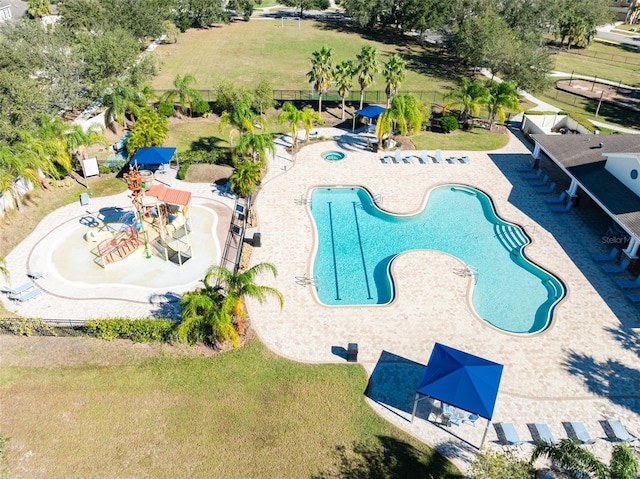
[(449, 123), (308, 118), (13, 167), (240, 286), (184, 92), (245, 177), (78, 140), (470, 96), (321, 72), (255, 146), (241, 118), (502, 95), (292, 115), (343, 76), (151, 129), (489, 464), (38, 8), (366, 68), (578, 461), (120, 100), (394, 72), (405, 113)]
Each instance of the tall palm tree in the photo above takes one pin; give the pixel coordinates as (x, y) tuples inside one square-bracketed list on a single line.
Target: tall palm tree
[(576, 460), (245, 177), (470, 96), (256, 146), (241, 118), (120, 100), (394, 72), (308, 118), (405, 113), (321, 72), (184, 92), (343, 75), (502, 95), (14, 166), (294, 116), (366, 68), (239, 286), (78, 140)]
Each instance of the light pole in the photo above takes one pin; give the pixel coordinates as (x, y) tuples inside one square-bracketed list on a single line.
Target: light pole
[(599, 103)]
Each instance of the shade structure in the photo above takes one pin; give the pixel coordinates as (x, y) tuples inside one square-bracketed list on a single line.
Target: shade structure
[(372, 111), (152, 156), (461, 379)]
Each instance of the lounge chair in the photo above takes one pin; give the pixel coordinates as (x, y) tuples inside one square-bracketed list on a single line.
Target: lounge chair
[(547, 189), (580, 433), (424, 158), (560, 199), (615, 431), (471, 418), (32, 293), (35, 275), (84, 199), (407, 159), (626, 284), (540, 182), (438, 156), (465, 159), (386, 160), (532, 176), (528, 168), (19, 290), (562, 208), (607, 257), (616, 268), (397, 158), (541, 433), (507, 434), (452, 160)]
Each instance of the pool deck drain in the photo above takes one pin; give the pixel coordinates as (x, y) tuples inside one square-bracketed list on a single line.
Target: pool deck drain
[(581, 369)]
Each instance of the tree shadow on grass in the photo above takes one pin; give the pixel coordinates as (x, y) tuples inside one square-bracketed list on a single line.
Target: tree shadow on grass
[(387, 458), (208, 143)]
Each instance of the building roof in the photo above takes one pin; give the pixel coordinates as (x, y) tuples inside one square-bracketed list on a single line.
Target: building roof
[(583, 157), (169, 195)]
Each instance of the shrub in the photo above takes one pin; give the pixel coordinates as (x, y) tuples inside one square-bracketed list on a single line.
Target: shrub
[(182, 172), (137, 330), (582, 121), (201, 108), (26, 327), (211, 157), (449, 123), (166, 109)]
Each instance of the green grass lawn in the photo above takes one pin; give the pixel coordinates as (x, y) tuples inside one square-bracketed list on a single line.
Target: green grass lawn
[(249, 52), (242, 414), (477, 139)]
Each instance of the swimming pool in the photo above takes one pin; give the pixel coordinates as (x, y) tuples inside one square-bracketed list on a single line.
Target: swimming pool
[(356, 243)]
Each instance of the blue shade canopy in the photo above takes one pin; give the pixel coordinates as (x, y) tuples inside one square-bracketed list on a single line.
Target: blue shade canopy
[(461, 379), (152, 156), (372, 111)]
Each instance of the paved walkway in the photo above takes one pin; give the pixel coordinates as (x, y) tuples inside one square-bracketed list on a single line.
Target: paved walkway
[(584, 367)]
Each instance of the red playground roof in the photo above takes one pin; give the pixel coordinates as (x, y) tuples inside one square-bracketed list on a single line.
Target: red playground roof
[(169, 195)]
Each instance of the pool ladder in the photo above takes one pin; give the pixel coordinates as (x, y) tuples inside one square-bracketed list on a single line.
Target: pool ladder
[(377, 199), (306, 280), (303, 201), (467, 271)]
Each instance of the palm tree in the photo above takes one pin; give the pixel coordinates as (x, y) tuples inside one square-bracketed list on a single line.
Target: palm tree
[(470, 96), (294, 116), (307, 118), (405, 113), (256, 145), (120, 100), (576, 460), (184, 92), (239, 286), (241, 118), (321, 72), (343, 75), (151, 129), (78, 140), (366, 68), (502, 95), (14, 166), (394, 72), (245, 177)]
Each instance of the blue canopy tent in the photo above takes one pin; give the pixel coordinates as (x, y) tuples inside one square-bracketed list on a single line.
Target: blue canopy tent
[(462, 380), (372, 112), (152, 157)]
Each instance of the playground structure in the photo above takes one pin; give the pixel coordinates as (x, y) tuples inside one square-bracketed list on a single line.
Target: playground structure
[(161, 220)]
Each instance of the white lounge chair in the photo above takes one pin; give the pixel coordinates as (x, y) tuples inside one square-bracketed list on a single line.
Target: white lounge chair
[(407, 159), (560, 199), (626, 284), (547, 189), (465, 159), (424, 158), (607, 257), (580, 433), (452, 160), (438, 156), (616, 431), (507, 434), (19, 290), (397, 158), (35, 275), (386, 160), (616, 268), (541, 433), (562, 208), (84, 199), (540, 182), (32, 293), (532, 176)]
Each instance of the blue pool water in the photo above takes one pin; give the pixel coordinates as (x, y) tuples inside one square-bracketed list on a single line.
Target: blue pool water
[(333, 155), (357, 242)]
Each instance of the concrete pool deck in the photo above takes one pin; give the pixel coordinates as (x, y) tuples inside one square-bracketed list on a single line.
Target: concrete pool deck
[(583, 368)]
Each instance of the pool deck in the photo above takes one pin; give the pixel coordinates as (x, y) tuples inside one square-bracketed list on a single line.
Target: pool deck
[(583, 368)]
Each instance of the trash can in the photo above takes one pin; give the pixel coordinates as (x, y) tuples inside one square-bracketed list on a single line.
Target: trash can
[(256, 240), (374, 146), (352, 352)]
